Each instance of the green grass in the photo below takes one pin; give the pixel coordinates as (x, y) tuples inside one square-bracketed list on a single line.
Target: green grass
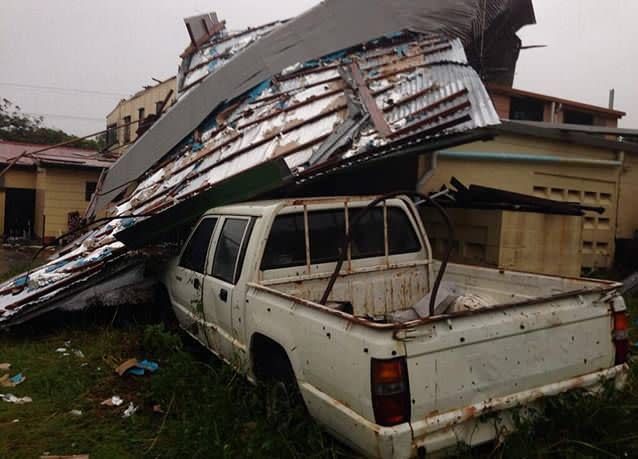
[(209, 412)]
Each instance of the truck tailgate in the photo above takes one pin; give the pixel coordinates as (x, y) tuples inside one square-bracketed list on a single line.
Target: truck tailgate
[(460, 361)]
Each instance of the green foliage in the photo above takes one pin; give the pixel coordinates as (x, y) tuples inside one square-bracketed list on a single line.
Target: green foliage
[(17, 127)]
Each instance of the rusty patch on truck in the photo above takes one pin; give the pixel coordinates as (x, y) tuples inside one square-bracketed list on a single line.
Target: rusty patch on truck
[(436, 422)]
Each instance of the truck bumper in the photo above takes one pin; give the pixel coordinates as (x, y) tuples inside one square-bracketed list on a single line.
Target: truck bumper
[(441, 431)]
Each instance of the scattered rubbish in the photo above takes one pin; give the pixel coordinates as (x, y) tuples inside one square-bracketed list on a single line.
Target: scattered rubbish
[(135, 371), (7, 381), (60, 349), (78, 353), (10, 398), (125, 366), (148, 365), (137, 368), (158, 409), (75, 412), (5, 366), (17, 379), (15, 421), (128, 412), (84, 364), (113, 401)]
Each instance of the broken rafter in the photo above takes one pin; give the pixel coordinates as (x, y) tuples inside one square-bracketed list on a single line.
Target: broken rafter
[(376, 115)]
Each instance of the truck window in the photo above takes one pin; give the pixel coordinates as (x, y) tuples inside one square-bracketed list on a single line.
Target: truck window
[(326, 231), (368, 235), (194, 255), (401, 235), (225, 263), (286, 246), (286, 243)]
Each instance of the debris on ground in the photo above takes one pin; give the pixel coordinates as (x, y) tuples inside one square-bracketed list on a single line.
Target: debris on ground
[(10, 398), (125, 366), (5, 366), (75, 413), (136, 368), (128, 412), (158, 409), (113, 401), (12, 381)]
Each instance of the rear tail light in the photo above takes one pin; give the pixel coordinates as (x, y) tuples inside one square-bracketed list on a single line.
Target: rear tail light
[(390, 391), (621, 336)]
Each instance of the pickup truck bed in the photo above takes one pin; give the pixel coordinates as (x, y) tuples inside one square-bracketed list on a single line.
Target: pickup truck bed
[(371, 364)]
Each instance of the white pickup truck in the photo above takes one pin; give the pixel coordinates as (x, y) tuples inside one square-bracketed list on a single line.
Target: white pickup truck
[(373, 365)]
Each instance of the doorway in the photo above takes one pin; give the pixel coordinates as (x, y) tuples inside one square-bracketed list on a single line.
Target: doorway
[(19, 213)]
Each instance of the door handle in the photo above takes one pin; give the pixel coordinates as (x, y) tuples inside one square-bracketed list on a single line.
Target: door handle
[(196, 284), (223, 294)]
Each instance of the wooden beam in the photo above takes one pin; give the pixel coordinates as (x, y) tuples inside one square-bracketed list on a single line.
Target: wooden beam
[(376, 115)]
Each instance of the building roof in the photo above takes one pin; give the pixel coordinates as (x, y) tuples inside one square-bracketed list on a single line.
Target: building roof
[(330, 27), (344, 85), (587, 129), (556, 132), (58, 156), (494, 88), (139, 93)]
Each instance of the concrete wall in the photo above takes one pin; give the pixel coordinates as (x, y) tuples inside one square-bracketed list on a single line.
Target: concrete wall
[(627, 208), (523, 241), (146, 99), (592, 185), (60, 192)]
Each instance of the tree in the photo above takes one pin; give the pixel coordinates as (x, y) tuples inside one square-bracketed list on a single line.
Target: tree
[(19, 127)]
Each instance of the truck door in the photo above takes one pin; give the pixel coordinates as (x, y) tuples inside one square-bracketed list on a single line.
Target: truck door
[(186, 285), (219, 284)]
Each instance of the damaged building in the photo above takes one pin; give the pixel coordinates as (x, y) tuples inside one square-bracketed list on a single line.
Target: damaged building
[(341, 99)]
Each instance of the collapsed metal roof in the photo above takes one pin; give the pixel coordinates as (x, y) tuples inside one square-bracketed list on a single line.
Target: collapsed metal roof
[(237, 137), (329, 27)]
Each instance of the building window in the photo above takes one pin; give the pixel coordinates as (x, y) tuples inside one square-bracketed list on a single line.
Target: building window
[(158, 107), (111, 134), (89, 189), (127, 129), (574, 117), (140, 117), (526, 109)]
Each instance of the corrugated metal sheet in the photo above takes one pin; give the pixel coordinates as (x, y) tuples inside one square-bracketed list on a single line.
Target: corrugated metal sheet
[(329, 27), (422, 87)]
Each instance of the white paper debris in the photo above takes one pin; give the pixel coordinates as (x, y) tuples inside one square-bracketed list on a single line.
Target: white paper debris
[(113, 401), (10, 398), (129, 411)]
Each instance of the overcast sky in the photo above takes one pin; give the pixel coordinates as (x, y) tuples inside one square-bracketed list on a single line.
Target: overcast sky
[(72, 60)]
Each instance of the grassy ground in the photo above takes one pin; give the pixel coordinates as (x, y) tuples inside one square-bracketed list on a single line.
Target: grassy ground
[(207, 411)]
